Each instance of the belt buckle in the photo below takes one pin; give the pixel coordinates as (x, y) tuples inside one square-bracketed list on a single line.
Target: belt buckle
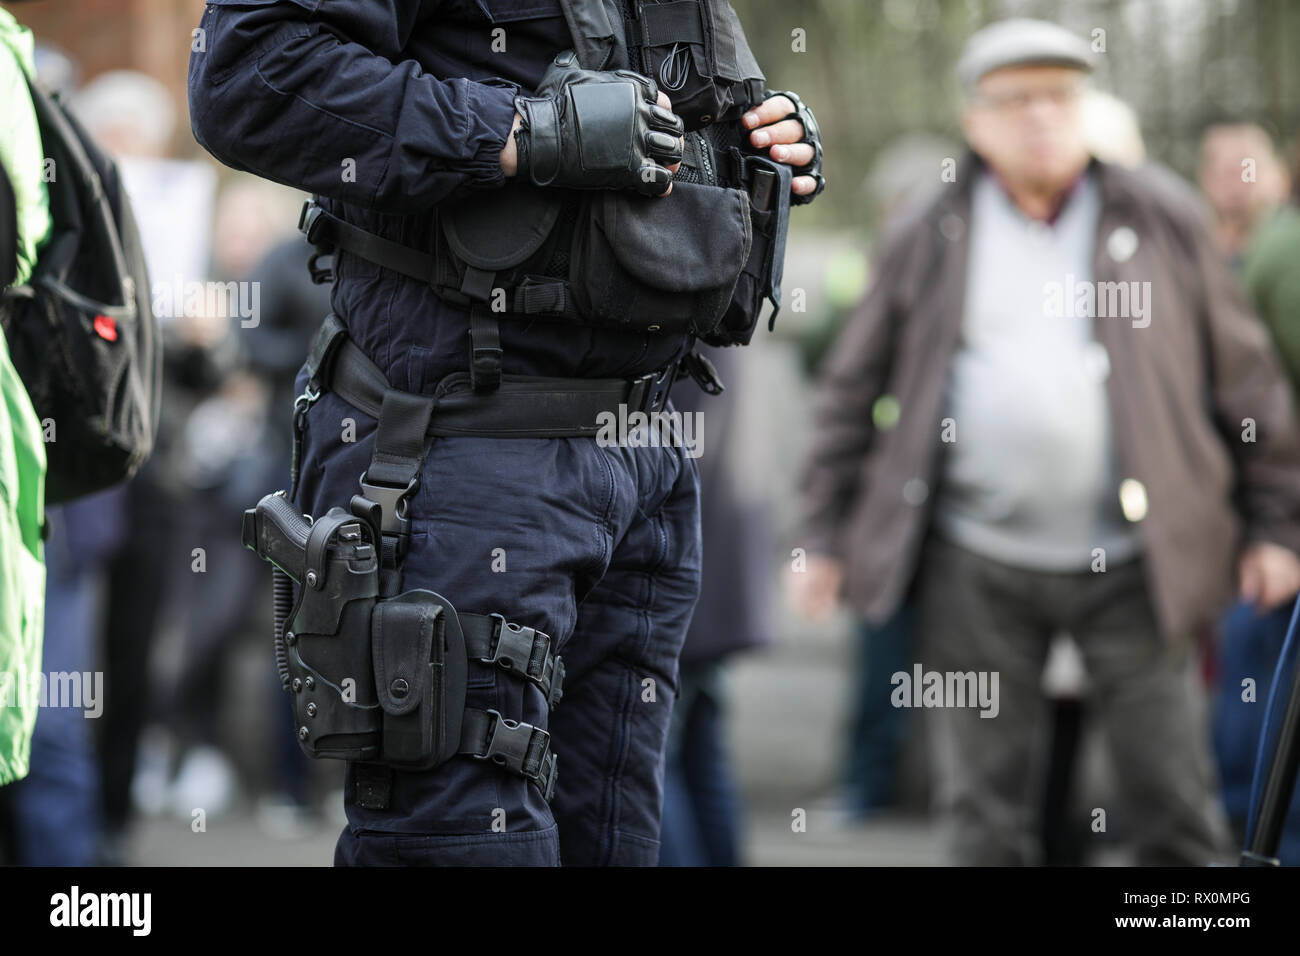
[(651, 390)]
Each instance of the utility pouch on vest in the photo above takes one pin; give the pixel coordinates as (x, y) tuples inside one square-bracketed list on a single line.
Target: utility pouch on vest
[(660, 265), (768, 203), (492, 241), (601, 258), (716, 157)]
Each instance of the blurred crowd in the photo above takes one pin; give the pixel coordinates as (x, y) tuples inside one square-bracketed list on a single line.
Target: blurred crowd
[(984, 561)]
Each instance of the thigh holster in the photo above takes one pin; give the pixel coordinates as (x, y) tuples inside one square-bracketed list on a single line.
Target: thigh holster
[(382, 679)]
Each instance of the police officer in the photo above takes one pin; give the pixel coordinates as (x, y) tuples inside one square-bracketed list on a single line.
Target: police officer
[(385, 110)]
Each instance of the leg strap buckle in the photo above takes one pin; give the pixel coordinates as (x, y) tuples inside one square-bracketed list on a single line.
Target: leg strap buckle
[(521, 748), (526, 652)]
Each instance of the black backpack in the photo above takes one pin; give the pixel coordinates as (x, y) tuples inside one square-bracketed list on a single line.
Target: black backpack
[(81, 331)]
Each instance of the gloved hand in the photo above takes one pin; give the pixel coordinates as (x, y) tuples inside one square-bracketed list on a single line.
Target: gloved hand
[(783, 119), (590, 129)]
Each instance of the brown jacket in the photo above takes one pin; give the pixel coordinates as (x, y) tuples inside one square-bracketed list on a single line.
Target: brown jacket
[(1179, 390)]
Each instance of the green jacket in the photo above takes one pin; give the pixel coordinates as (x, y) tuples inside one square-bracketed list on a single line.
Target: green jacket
[(1271, 272), (22, 453)]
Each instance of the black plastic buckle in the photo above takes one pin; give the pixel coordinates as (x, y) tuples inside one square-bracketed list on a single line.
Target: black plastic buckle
[(393, 505), (509, 742), (309, 220), (320, 275), (514, 646), (701, 369), (649, 392)]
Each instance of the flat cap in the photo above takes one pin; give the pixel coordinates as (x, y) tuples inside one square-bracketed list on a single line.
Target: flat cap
[(1020, 42)]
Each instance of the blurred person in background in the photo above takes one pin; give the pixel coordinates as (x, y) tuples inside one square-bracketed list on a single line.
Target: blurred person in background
[(1113, 134), (703, 816), (902, 175), (1054, 464), (133, 116), (220, 461), (1247, 181), (1244, 182)]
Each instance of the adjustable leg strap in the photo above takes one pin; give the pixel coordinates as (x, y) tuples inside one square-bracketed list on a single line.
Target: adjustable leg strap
[(524, 652), (394, 473), (511, 744)]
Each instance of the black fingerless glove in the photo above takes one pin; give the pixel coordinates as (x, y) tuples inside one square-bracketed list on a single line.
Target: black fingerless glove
[(590, 129), (813, 137)]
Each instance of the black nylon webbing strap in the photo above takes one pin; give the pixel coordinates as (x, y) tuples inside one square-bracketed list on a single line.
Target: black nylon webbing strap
[(400, 438), (522, 651), (325, 230), (522, 407), (513, 745), (394, 473), (536, 296), (331, 334), (666, 23), (485, 349), (533, 296)]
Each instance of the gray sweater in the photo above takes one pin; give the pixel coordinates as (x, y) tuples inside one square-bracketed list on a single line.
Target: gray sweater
[(1029, 477)]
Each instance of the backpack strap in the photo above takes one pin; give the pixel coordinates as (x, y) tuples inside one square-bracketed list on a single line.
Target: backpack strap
[(8, 231)]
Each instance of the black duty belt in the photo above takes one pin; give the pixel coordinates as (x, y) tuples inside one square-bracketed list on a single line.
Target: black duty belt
[(523, 406)]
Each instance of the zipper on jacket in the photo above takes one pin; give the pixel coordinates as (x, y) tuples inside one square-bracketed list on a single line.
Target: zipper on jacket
[(705, 161)]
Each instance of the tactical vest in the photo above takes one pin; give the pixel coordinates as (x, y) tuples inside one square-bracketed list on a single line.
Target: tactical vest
[(700, 261)]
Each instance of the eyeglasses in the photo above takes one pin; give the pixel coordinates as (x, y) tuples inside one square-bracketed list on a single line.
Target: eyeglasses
[(1017, 101)]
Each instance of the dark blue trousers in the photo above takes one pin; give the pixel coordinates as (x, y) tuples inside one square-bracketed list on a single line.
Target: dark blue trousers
[(597, 546)]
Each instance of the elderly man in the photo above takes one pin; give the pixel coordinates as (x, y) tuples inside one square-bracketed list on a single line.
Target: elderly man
[(1053, 412)]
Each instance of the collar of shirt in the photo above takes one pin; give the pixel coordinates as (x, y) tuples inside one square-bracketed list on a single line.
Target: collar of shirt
[(1064, 200)]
